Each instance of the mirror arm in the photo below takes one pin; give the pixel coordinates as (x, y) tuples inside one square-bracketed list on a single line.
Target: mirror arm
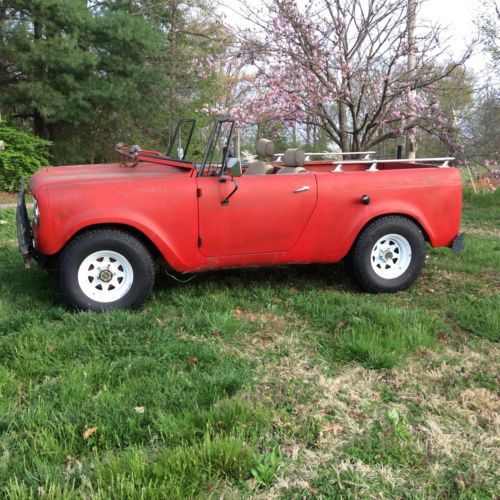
[(225, 201)]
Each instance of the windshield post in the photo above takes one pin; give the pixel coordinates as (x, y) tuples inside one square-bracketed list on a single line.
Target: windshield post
[(216, 132)]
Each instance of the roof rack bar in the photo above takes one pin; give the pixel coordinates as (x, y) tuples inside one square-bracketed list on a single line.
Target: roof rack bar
[(403, 160), (337, 153), (366, 154)]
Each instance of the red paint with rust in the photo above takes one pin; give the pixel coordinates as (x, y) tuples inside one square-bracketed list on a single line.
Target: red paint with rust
[(265, 222)]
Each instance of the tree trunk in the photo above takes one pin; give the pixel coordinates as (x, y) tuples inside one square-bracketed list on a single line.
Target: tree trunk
[(39, 125), (411, 141), (343, 135)]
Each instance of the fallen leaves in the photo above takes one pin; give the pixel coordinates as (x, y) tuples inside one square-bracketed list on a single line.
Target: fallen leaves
[(332, 428), (340, 325), (246, 315), (89, 432)]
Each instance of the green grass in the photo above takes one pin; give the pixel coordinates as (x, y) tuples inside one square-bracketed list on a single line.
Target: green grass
[(285, 381), (379, 335)]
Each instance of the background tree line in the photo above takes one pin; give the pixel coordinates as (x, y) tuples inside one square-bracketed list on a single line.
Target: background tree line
[(85, 74)]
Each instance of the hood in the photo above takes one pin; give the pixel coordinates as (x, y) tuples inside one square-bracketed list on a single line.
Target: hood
[(105, 172)]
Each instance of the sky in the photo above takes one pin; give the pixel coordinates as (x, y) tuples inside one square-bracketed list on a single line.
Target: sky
[(455, 16)]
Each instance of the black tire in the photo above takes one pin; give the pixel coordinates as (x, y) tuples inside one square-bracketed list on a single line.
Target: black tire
[(362, 262), (131, 292)]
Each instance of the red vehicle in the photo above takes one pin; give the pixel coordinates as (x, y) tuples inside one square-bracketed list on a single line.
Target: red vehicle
[(102, 227)]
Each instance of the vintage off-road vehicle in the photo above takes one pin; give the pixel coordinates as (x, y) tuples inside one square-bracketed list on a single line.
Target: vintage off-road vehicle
[(101, 227)]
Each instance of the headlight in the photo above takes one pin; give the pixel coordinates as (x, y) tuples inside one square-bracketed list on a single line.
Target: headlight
[(36, 213)]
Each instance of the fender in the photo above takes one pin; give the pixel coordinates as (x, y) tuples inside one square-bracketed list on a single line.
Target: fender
[(158, 218), (147, 228), (435, 224), (434, 202)]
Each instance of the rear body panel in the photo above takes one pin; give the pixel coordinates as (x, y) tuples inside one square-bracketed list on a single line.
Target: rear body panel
[(271, 219)]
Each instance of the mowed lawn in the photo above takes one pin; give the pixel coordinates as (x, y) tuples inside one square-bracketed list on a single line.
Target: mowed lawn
[(284, 382)]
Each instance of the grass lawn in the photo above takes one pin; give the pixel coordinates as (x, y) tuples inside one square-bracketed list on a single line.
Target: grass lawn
[(284, 382)]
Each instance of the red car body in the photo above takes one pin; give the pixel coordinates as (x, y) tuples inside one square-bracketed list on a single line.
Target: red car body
[(268, 221)]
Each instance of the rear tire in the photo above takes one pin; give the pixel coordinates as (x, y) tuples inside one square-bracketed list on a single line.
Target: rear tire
[(388, 256), (105, 269)]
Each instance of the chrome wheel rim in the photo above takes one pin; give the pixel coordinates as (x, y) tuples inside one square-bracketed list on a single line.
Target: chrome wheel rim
[(391, 256), (105, 276)]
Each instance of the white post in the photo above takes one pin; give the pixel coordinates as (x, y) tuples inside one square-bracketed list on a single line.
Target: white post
[(470, 175), (238, 143)]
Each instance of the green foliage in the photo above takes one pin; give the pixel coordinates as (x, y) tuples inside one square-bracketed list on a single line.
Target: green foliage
[(489, 28), (89, 75), (372, 333), (266, 467), (484, 128), (23, 155), (455, 95), (387, 442)]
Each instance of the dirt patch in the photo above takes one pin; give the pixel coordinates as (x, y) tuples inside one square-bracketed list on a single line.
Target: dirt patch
[(14, 205), (7, 198), (272, 333), (488, 231)]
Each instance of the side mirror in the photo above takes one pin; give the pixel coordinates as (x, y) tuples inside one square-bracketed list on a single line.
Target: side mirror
[(235, 165)]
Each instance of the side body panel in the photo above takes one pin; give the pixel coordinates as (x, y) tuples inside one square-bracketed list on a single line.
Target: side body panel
[(433, 197), (265, 223)]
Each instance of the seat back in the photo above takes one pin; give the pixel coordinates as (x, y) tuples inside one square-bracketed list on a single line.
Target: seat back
[(294, 160), (265, 151), (259, 168)]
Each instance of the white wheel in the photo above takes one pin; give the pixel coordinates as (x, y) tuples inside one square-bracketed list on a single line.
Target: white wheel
[(103, 269), (391, 256), (105, 276), (388, 255)]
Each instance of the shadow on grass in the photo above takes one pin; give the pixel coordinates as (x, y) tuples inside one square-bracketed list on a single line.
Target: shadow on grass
[(323, 276)]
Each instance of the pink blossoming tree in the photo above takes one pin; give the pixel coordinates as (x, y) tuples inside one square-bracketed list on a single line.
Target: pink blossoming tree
[(341, 65)]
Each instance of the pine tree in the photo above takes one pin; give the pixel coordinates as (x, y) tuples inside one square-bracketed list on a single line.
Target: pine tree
[(86, 74)]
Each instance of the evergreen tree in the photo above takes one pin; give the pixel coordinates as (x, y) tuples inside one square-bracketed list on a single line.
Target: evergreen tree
[(87, 74)]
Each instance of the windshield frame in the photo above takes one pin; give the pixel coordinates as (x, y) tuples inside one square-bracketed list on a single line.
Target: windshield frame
[(176, 136), (210, 149)]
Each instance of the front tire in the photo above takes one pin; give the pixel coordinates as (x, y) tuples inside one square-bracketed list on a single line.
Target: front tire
[(389, 255), (105, 269)]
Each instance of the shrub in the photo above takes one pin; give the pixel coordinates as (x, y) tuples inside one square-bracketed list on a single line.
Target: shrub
[(23, 155)]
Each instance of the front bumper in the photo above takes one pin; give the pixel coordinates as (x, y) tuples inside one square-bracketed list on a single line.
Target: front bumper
[(24, 235), (458, 243)]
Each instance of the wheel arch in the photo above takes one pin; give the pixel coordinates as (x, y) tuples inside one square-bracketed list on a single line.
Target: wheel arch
[(133, 231), (393, 214)]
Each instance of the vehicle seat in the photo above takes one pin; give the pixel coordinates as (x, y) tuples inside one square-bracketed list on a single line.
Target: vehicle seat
[(265, 152), (294, 161)]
